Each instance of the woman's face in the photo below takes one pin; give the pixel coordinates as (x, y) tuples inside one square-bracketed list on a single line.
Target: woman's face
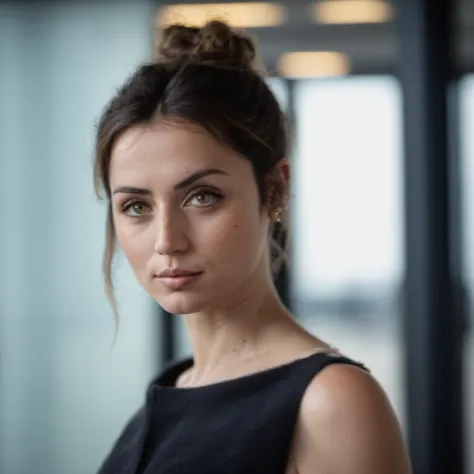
[(184, 202)]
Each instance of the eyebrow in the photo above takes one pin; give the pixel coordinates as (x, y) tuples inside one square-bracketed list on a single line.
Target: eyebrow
[(181, 185)]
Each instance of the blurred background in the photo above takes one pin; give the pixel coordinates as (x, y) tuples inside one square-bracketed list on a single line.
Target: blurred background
[(380, 97)]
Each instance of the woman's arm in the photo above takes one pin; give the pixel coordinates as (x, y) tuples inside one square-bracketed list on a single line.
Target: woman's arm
[(347, 426)]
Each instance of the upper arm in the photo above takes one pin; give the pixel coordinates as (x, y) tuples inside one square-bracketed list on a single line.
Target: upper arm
[(347, 426)]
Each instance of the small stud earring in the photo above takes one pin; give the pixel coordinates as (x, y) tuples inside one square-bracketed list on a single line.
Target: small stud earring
[(277, 215)]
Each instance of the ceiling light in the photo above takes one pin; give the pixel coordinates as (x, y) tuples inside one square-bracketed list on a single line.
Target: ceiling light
[(239, 15), (352, 11), (313, 64)]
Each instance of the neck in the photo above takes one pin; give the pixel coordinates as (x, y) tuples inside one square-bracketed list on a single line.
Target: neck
[(238, 333)]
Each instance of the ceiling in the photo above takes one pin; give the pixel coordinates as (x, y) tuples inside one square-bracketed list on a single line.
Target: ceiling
[(371, 48)]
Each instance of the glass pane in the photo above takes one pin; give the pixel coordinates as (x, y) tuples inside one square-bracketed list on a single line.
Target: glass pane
[(348, 227), (64, 396)]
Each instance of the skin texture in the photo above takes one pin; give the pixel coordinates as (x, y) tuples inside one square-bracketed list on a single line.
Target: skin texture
[(347, 426), (236, 323), (205, 233)]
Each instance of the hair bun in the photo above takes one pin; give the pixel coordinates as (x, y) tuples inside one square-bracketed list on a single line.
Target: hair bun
[(216, 41)]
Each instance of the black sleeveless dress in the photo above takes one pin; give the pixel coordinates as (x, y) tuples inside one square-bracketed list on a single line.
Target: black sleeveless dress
[(239, 426)]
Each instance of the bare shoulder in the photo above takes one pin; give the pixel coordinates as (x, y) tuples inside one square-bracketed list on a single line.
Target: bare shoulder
[(347, 425)]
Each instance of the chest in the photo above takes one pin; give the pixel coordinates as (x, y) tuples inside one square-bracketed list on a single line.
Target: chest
[(240, 440)]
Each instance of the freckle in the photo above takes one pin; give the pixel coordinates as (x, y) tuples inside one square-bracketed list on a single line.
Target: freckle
[(235, 226)]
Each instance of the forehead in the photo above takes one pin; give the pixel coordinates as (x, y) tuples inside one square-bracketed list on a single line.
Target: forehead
[(169, 151)]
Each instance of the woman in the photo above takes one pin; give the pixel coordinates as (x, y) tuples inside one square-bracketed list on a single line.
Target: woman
[(191, 156)]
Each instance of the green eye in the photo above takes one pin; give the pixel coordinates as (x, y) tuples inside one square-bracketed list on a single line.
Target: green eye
[(135, 209), (204, 198)]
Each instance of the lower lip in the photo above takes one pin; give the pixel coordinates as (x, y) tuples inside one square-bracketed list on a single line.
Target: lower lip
[(177, 283)]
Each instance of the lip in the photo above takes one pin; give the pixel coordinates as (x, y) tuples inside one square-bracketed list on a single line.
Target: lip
[(176, 279), (176, 273)]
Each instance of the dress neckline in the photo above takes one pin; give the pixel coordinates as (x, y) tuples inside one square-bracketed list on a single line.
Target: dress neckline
[(166, 380)]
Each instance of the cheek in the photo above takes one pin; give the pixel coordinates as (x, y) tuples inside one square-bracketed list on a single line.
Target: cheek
[(234, 237), (134, 244)]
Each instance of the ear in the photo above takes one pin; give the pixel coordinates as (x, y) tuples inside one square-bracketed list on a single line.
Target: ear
[(284, 167), (278, 182)]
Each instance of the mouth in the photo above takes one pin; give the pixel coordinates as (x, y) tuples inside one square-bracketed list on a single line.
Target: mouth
[(178, 280)]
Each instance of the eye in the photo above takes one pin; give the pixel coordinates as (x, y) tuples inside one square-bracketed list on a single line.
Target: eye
[(135, 208), (203, 198)]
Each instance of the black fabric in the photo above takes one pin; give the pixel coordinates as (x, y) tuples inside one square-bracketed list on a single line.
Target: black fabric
[(239, 426)]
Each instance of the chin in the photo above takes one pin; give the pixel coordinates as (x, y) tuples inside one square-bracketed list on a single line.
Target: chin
[(181, 303)]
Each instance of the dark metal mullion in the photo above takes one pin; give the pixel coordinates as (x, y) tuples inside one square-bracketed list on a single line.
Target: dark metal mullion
[(460, 296), (283, 280), (431, 314), (167, 331)]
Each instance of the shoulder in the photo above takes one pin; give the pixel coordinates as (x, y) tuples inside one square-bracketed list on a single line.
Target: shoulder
[(126, 444), (133, 428), (346, 424)]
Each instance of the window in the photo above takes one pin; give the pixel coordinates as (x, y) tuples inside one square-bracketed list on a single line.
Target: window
[(348, 228)]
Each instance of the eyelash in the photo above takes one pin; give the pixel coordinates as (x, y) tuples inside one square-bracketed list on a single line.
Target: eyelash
[(128, 205), (217, 196), (206, 192)]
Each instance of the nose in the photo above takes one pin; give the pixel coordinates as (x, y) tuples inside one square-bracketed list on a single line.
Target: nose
[(170, 234)]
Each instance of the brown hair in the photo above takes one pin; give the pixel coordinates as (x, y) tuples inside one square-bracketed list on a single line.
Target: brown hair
[(208, 76)]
